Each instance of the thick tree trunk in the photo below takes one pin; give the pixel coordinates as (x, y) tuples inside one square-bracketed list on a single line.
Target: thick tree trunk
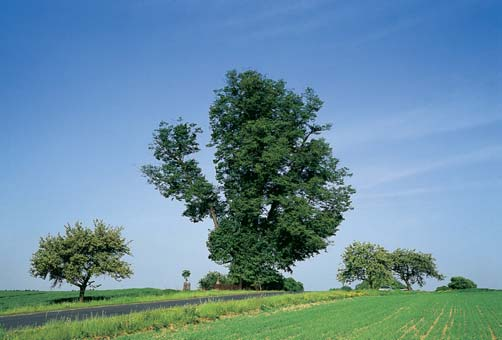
[(408, 286), (82, 292)]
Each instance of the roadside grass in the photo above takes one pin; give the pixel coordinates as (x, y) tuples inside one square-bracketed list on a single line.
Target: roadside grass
[(171, 318), (19, 302)]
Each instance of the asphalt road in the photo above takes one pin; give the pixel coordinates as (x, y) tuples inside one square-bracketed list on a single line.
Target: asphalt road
[(40, 318)]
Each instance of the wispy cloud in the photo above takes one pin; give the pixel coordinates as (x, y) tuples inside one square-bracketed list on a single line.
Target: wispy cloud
[(277, 19), (272, 11), (427, 190), (481, 155), (438, 116), (393, 28)]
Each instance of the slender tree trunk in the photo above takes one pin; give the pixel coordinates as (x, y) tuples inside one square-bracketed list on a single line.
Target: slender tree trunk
[(213, 216), (408, 286), (82, 292)]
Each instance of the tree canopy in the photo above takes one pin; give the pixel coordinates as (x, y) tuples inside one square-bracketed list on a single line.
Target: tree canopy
[(279, 193), (186, 274), (366, 262), (393, 283), (82, 254), (460, 282), (413, 267), (375, 266)]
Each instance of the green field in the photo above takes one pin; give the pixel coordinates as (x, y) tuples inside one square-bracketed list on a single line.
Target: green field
[(366, 315), (20, 301), (456, 316)]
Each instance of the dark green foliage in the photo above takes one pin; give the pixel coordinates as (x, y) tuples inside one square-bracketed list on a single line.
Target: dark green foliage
[(413, 267), (280, 193), (396, 284), (82, 254), (366, 262), (186, 274), (209, 280), (442, 288), (291, 285), (392, 282), (363, 285), (459, 282), (343, 288)]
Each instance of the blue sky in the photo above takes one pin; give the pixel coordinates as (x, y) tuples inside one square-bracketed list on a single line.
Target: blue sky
[(413, 89)]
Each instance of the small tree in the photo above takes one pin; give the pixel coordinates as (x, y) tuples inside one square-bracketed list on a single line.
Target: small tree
[(82, 254), (366, 262), (208, 281), (413, 267), (186, 274), (291, 285), (459, 282)]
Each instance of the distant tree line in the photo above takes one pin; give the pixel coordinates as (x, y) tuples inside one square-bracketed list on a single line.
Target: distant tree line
[(211, 279), (458, 282)]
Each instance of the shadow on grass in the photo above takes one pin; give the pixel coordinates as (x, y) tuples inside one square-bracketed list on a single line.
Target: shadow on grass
[(86, 299)]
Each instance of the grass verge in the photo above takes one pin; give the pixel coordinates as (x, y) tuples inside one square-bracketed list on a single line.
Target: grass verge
[(47, 301), (104, 328)]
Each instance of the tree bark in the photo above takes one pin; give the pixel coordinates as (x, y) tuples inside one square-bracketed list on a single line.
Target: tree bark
[(82, 292), (213, 216)]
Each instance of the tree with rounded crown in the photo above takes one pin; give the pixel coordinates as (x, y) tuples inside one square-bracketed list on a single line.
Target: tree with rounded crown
[(366, 262), (186, 274), (412, 267), (279, 193), (460, 282), (82, 254)]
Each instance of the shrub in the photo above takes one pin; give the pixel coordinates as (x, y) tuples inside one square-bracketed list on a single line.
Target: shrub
[(459, 282), (394, 283), (291, 285), (209, 280), (344, 288), (442, 288)]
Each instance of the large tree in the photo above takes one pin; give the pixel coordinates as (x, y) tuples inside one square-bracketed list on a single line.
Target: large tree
[(82, 254), (366, 262), (412, 267), (279, 193)]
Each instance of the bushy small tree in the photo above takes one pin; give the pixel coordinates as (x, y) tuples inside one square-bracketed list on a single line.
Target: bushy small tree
[(186, 274), (366, 262), (459, 282), (412, 267), (208, 281), (81, 254), (291, 285), (442, 288)]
